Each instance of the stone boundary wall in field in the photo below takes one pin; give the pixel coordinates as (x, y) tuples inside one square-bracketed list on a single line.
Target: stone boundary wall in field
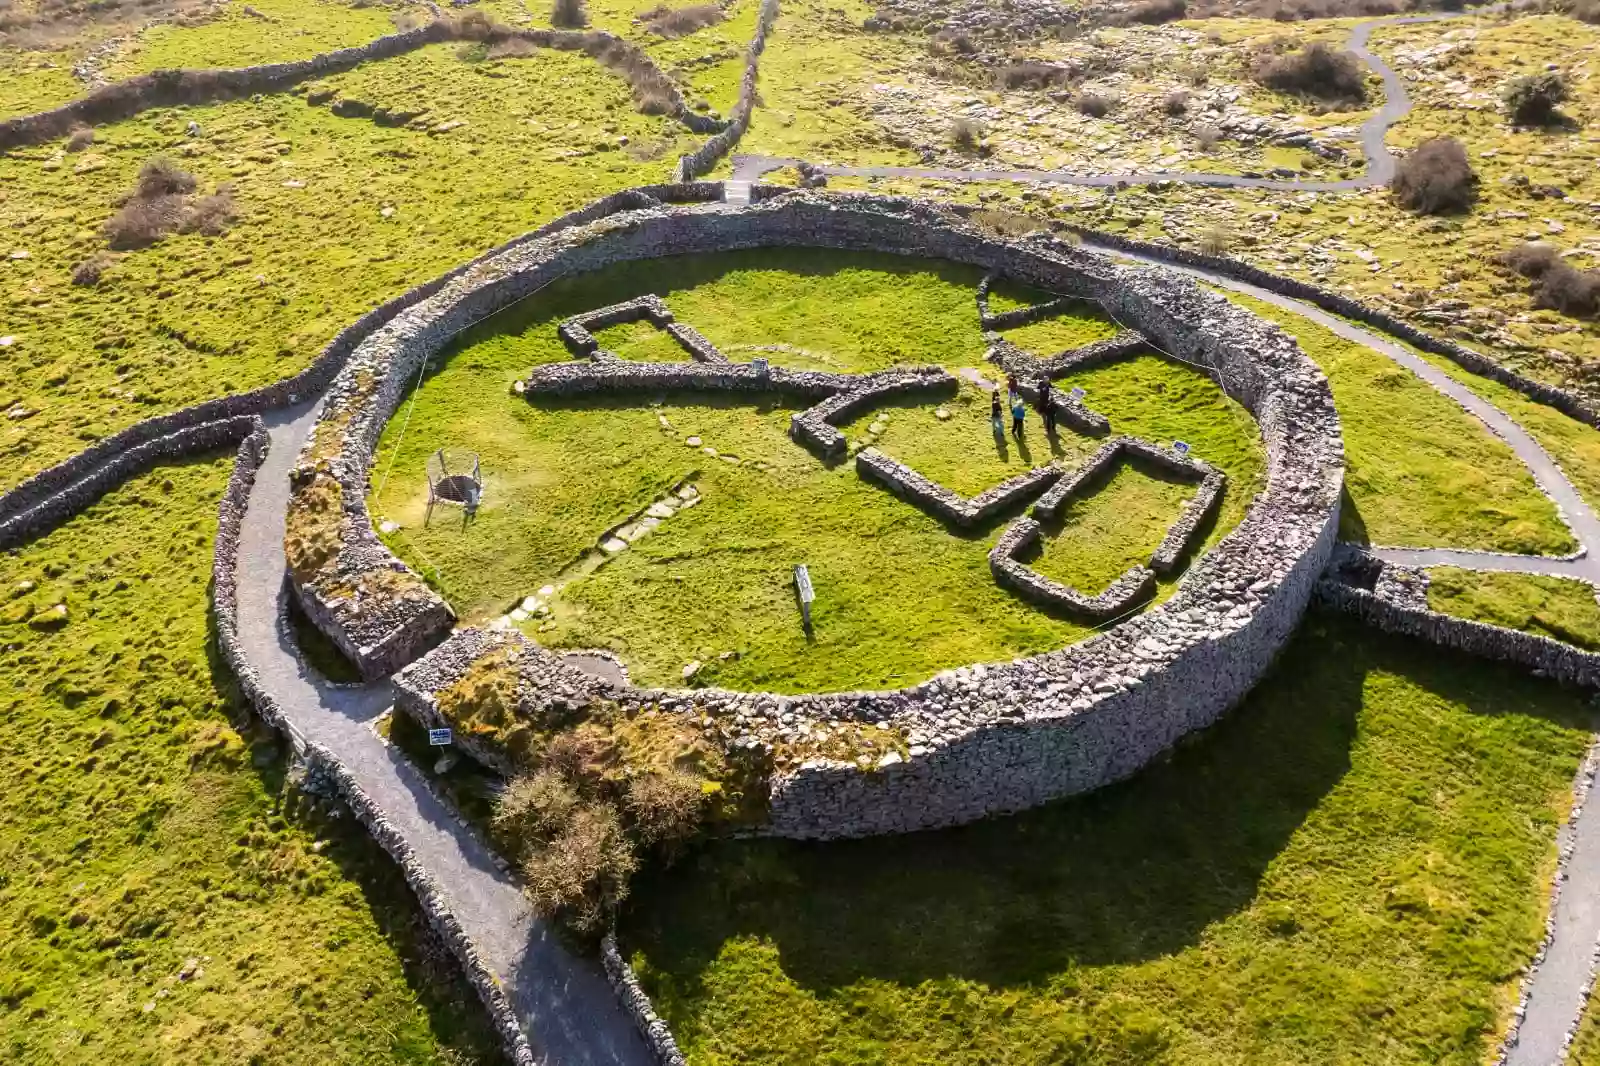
[(988, 738), (53, 510), (705, 157), (320, 763), (102, 463), (171, 88), (1564, 400), (634, 1000), (1547, 657)]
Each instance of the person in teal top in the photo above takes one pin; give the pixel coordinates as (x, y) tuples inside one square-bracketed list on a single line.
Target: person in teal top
[(1018, 410)]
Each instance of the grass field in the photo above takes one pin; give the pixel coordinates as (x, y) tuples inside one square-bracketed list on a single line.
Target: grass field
[(713, 583), (1547, 606), (163, 897), (1420, 471), (335, 216), (1351, 868)]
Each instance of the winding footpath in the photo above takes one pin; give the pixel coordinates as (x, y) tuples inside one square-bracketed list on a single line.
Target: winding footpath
[(1374, 141), (567, 1008)]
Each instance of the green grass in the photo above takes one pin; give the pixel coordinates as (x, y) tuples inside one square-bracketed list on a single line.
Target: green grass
[(1420, 471), (144, 826), (35, 81), (1547, 606), (283, 30), (195, 317), (713, 583), (1132, 511), (1060, 333), (1573, 444), (1350, 868)]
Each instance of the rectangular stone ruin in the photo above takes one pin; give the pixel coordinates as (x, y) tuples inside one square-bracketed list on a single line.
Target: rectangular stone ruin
[(1133, 586), (1122, 344), (814, 427), (577, 332), (939, 501)]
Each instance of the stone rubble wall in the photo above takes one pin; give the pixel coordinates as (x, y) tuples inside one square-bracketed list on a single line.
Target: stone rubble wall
[(1121, 345), (622, 375), (985, 739), (577, 332), (323, 764), (1566, 401), (625, 983), (1048, 506), (172, 88), (1021, 316), (816, 427), (1546, 657), (1131, 587), (53, 510), (1081, 418), (695, 343), (945, 505), (1196, 513), (702, 159)]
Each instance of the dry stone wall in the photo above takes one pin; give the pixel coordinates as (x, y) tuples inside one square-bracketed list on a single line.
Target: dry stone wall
[(321, 763), (1130, 588), (171, 88), (1564, 400), (1398, 604), (53, 510), (702, 159), (988, 738)]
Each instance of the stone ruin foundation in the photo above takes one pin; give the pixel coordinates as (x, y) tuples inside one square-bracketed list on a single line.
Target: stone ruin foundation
[(978, 740)]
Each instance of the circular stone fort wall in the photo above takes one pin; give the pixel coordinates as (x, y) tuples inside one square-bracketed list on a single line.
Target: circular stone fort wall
[(983, 739)]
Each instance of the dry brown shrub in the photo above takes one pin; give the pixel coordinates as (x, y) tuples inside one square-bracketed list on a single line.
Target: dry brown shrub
[(664, 807), (1176, 103), (664, 21), (80, 138), (1033, 75), (534, 809), (1096, 105), (1206, 138), (1151, 12), (1216, 241), (90, 271), (568, 14), (965, 134), (1435, 178), (473, 26), (1569, 291), (512, 48), (211, 215), (580, 876), (1006, 223), (161, 176), (142, 221), (1531, 260), (1317, 71)]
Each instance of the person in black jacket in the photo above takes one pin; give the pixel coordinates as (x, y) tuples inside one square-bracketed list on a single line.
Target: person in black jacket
[(1047, 407)]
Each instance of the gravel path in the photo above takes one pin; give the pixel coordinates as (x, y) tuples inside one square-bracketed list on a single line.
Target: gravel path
[(1374, 141), (564, 1002)]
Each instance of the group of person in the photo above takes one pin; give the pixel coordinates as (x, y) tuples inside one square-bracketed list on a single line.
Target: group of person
[(1019, 407)]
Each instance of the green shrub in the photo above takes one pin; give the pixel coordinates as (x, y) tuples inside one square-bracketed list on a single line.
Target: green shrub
[(1532, 101)]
